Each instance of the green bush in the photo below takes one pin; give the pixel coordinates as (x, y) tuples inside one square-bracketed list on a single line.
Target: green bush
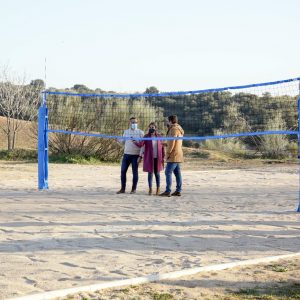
[(228, 145), (187, 143), (293, 148), (19, 155), (275, 146)]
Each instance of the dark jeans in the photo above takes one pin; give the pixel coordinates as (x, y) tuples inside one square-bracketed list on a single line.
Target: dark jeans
[(126, 161), (170, 168), (157, 175)]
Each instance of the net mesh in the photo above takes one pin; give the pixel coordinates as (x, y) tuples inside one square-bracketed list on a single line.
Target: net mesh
[(272, 107), (210, 114)]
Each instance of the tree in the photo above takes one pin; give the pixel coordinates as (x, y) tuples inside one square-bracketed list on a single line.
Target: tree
[(18, 104), (38, 83), (151, 90), (99, 91), (81, 88)]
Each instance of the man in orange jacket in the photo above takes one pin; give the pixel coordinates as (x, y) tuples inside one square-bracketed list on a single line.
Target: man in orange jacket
[(174, 155)]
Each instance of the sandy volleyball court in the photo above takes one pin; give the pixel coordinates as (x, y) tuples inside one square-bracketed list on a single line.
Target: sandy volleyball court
[(80, 232)]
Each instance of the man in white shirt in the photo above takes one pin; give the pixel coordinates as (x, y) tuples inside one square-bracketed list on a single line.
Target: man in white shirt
[(131, 155)]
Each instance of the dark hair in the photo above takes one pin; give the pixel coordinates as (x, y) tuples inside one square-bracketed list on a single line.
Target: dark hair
[(173, 119), (153, 124), (132, 118)]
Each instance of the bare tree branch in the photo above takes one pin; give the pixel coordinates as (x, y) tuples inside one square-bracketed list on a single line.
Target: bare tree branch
[(18, 104)]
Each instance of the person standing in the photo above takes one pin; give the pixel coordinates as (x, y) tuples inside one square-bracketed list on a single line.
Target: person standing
[(174, 155), (131, 155), (152, 151)]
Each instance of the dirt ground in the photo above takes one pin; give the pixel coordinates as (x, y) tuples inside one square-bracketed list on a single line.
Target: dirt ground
[(277, 280)]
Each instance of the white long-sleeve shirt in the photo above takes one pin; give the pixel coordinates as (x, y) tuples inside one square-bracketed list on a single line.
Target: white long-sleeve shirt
[(154, 145), (130, 147), (155, 149)]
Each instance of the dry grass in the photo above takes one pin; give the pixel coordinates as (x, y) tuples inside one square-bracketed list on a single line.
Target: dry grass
[(24, 137), (278, 281)]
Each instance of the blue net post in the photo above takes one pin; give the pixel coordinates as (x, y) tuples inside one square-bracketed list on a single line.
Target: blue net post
[(43, 145)]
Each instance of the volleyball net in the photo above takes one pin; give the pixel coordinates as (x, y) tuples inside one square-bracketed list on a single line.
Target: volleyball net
[(248, 113), (203, 113)]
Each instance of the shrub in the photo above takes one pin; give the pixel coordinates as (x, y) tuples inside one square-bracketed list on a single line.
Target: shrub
[(95, 115), (275, 146), (18, 155), (228, 145), (187, 143)]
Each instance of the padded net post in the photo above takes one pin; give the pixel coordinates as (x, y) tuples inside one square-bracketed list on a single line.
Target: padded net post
[(43, 146)]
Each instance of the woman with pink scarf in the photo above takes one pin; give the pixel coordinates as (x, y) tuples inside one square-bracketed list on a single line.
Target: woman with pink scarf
[(153, 153)]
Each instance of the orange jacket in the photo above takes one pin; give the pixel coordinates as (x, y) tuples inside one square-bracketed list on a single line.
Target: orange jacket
[(174, 147)]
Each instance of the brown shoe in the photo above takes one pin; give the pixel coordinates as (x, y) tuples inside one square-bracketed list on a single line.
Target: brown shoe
[(178, 194), (133, 191), (165, 194), (121, 191), (157, 191), (150, 192)]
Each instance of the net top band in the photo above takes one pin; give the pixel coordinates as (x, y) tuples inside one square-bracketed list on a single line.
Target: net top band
[(165, 94)]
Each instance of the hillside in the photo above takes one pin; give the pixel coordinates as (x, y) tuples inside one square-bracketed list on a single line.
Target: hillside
[(24, 139)]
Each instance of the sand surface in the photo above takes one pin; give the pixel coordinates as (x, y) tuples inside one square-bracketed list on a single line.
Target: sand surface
[(80, 232)]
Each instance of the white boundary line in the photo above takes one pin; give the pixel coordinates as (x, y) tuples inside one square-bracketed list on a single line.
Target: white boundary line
[(152, 278)]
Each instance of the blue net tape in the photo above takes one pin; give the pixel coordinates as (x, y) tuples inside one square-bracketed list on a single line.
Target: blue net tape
[(173, 93), (234, 135)]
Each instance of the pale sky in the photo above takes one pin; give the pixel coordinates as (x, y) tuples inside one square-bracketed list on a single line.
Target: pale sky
[(128, 45)]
